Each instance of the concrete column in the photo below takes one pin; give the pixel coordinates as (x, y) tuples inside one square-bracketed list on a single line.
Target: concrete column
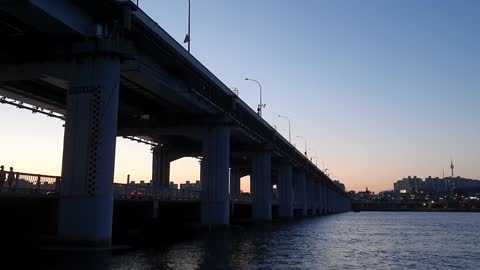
[(300, 190), (285, 191), (329, 200), (324, 198), (214, 176), (309, 183), (86, 190), (261, 185), (235, 176), (316, 198), (160, 169)]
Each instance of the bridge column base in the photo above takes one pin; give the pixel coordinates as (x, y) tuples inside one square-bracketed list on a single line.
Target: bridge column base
[(214, 176), (86, 190)]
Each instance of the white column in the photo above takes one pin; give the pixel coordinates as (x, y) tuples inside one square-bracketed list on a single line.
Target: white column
[(300, 191), (285, 191), (214, 176), (261, 186), (86, 190), (160, 169)]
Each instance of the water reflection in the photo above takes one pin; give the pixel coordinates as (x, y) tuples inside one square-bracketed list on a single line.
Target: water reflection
[(347, 241), (74, 260)]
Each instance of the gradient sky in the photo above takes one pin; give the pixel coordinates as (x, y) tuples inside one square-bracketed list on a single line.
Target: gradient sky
[(381, 89)]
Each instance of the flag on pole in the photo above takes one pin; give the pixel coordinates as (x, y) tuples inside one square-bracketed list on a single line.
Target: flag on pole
[(187, 39)]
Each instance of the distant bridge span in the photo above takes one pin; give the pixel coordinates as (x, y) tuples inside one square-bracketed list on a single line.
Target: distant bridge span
[(112, 71)]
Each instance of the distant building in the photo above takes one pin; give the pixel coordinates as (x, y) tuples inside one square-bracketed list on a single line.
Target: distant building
[(191, 186), (436, 184), (339, 184), (389, 196), (462, 184), (366, 195), (408, 185), (172, 186)]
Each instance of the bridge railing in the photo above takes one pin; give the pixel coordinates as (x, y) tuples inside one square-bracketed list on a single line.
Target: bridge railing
[(144, 192), (245, 198), (28, 183)]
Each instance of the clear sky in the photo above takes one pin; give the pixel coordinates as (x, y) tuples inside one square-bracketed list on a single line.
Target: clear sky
[(381, 89)]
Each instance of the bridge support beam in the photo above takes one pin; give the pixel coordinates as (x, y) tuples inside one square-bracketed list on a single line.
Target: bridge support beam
[(300, 191), (160, 169), (261, 185), (285, 191), (214, 175), (86, 190)]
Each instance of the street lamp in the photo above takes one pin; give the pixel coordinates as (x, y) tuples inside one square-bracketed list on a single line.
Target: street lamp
[(314, 156), (260, 105), (305, 144), (187, 37), (289, 128)]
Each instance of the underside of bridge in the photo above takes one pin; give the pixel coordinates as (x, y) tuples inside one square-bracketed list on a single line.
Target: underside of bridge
[(112, 71)]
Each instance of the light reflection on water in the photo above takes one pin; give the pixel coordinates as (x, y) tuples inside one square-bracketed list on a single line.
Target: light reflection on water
[(364, 240)]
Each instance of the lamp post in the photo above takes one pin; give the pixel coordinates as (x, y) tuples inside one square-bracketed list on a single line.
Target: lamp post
[(289, 128), (260, 105), (316, 160), (187, 37), (305, 144)]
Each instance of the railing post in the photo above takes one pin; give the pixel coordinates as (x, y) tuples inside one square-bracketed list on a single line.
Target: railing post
[(38, 184), (57, 181), (16, 182)]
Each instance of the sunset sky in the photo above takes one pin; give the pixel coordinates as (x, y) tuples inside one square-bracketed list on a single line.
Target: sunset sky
[(380, 89)]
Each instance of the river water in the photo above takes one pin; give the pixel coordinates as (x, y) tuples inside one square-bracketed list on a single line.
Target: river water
[(365, 240)]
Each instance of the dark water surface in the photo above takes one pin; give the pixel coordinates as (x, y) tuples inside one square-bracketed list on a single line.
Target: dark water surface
[(366, 240)]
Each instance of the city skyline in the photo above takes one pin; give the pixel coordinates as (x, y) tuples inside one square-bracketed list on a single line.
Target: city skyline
[(390, 91)]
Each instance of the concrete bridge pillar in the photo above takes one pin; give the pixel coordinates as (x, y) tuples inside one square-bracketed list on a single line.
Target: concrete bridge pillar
[(235, 176), (261, 185), (214, 175), (329, 200), (324, 198), (316, 198), (86, 190), (160, 169), (309, 183), (300, 191), (285, 191)]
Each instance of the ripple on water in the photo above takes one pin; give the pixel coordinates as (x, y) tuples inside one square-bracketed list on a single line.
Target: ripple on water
[(366, 240)]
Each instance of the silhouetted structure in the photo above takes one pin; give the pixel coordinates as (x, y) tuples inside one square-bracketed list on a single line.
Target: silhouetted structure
[(10, 179), (3, 176)]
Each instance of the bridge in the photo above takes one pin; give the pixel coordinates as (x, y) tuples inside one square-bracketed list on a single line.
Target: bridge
[(109, 70)]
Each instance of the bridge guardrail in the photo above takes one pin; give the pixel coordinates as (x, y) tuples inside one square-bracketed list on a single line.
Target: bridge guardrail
[(139, 192), (28, 183)]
